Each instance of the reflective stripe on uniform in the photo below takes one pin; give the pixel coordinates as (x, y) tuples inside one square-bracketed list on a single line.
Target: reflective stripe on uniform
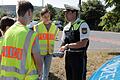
[(12, 71)]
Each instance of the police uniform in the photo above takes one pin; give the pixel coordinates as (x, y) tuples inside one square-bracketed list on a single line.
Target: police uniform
[(75, 59)]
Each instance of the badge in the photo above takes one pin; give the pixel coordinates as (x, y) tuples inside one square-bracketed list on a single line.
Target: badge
[(84, 30)]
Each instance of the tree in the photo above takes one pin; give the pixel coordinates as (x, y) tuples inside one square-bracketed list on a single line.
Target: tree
[(60, 17), (111, 20), (36, 13), (2, 13), (52, 11), (91, 11), (115, 3)]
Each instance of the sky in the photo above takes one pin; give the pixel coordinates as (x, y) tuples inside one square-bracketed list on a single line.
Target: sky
[(55, 3)]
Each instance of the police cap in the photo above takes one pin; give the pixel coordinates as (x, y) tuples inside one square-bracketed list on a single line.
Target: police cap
[(69, 7)]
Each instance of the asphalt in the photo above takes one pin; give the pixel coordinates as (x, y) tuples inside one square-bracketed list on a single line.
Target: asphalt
[(99, 41)]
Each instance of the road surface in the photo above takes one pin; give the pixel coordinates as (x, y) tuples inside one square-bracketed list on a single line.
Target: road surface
[(99, 41)]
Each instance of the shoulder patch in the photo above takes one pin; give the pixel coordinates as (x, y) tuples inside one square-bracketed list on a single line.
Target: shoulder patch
[(84, 30)]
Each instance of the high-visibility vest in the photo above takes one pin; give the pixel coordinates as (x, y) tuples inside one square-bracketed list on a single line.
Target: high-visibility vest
[(46, 38), (17, 62), (1, 38), (0, 52)]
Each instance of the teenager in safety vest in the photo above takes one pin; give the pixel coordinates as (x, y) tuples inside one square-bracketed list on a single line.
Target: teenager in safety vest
[(20, 50), (5, 23), (47, 33), (75, 40)]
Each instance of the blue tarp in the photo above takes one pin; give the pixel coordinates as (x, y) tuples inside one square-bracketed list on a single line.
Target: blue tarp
[(108, 71)]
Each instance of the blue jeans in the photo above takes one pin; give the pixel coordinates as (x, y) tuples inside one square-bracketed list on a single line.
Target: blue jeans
[(46, 66)]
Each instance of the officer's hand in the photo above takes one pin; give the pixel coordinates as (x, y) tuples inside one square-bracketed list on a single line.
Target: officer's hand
[(62, 49)]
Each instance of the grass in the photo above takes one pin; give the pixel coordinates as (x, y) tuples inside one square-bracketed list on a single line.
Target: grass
[(95, 60)]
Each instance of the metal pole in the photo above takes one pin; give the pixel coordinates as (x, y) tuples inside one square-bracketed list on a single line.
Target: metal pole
[(42, 3), (79, 5)]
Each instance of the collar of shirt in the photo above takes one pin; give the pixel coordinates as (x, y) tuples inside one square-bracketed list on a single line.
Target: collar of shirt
[(67, 27), (75, 21)]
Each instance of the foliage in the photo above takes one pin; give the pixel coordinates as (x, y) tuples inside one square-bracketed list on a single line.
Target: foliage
[(60, 17), (115, 3), (2, 13), (91, 11), (36, 15), (111, 20), (52, 11)]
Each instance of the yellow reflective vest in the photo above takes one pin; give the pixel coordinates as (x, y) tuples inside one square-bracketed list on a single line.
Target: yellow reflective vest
[(46, 38), (17, 62), (0, 44)]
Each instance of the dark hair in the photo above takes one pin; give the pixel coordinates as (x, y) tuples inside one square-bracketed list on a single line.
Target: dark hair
[(6, 21), (23, 7), (44, 11), (1, 33)]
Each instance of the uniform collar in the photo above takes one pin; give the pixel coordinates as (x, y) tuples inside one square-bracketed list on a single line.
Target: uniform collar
[(76, 21), (67, 27)]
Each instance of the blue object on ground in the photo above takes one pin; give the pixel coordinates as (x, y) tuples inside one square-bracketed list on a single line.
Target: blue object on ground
[(108, 71)]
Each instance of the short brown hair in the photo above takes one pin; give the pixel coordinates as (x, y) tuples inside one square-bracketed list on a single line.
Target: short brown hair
[(43, 11), (23, 6)]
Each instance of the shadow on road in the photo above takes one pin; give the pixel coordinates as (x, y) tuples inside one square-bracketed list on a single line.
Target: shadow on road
[(53, 77), (114, 53)]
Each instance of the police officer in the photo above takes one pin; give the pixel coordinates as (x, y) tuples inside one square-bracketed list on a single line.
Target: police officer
[(75, 40)]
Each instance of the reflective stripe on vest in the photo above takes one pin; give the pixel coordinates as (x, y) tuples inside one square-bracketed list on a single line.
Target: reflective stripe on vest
[(8, 78), (46, 38), (77, 24), (17, 56)]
